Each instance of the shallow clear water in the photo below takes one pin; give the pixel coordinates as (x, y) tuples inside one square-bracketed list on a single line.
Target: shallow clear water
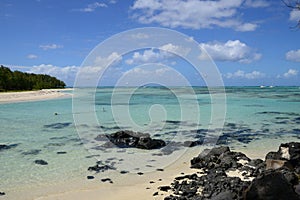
[(35, 132)]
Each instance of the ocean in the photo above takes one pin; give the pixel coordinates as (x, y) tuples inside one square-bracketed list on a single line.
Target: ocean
[(62, 131)]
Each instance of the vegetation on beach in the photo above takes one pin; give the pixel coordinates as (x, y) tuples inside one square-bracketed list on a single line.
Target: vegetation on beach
[(18, 81)]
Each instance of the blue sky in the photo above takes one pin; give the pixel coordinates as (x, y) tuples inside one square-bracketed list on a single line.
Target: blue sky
[(250, 41)]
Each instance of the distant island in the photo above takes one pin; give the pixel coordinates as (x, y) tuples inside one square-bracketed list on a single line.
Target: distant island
[(21, 81)]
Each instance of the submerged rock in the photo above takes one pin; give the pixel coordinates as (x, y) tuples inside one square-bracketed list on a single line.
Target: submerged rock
[(101, 168), (7, 146), (130, 139), (40, 162)]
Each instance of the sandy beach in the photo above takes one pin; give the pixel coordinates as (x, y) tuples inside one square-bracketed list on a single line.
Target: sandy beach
[(125, 187), (12, 97)]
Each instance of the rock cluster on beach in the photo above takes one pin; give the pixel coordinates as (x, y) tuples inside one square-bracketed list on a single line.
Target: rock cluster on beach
[(227, 175)]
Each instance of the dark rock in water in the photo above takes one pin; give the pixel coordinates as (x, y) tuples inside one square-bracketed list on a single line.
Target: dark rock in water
[(2, 193), (5, 146), (32, 152), (124, 172), (90, 177), (58, 125), (140, 173), (61, 152), (40, 162), (107, 180), (192, 143), (271, 185), (101, 168), (130, 139)]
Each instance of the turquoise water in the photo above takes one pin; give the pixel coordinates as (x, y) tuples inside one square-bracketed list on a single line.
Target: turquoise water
[(176, 115)]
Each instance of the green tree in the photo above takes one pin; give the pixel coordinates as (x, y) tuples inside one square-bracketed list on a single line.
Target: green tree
[(24, 81)]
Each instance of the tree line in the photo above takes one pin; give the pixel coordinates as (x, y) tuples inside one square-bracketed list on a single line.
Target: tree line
[(16, 80)]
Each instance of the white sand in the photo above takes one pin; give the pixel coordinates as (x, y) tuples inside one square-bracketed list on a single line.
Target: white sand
[(125, 187), (11, 97), (132, 186)]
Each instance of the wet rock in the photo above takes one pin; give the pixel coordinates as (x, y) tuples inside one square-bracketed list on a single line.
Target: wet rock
[(32, 152), (101, 168), (58, 125), (7, 146), (61, 152), (130, 139), (40, 162), (2, 193), (192, 143), (107, 180), (271, 185), (164, 188), (90, 177), (155, 193)]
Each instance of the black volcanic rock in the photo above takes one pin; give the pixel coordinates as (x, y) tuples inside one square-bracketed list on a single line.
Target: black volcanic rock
[(40, 162), (130, 139), (271, 185), (215, 183), (7, 146)]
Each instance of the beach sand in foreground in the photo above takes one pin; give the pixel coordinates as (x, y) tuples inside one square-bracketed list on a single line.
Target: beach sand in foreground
[(12, 97), (133, 186)]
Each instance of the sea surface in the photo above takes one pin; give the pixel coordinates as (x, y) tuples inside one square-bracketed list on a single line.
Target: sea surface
[(63, 132)]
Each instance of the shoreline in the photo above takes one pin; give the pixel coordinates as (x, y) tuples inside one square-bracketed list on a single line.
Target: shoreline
[(128, 186), (38, 95)]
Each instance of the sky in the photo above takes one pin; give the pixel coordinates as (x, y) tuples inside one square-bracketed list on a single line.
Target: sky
[(251, 42)]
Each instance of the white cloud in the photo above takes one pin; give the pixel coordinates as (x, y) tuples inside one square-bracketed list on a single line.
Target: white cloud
[(155, 56), (114, 57), (51, 46), (295, 15), (242, 74), (155, 74), (290, 73), (195, 14), (32, 56), (175, 49), (257, 3), (93, 6), (148, 56), (293, 55), (246, 27), (235, 51)]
